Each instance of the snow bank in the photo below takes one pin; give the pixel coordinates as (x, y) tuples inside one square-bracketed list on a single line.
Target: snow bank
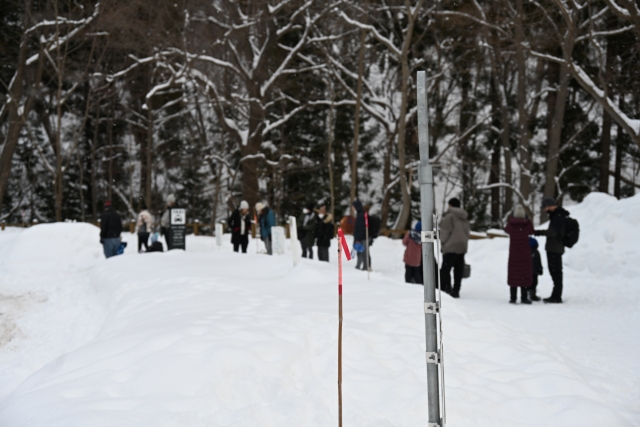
[(59, 248), (609, 236)]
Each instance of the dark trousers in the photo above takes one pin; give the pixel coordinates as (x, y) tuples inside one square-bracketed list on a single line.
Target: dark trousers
[(361, 260), (244, 242), (143, 239), (449, 261), (323, 253), (554, 262), (307, 251), (523, 293), (533, 289), (413, 274)]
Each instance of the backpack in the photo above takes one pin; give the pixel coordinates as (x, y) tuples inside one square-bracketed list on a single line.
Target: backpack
[(571, 232), (374, 226)]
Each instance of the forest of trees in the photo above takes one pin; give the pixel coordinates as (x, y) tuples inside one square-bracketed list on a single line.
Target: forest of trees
[(293, 101)]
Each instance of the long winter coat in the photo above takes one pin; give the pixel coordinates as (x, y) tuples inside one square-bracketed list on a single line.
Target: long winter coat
[(308, 226), (324, 231), (267, 220), (455, 231), (235, 224), (413, 251), (555, 232), (520, 265), (144, 218), (360, 229)]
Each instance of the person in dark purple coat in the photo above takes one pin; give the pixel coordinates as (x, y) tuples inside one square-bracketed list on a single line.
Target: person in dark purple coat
[(519, 228)]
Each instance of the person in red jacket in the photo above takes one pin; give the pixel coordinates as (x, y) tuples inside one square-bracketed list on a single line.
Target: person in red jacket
[(413, 255), (519, 228)]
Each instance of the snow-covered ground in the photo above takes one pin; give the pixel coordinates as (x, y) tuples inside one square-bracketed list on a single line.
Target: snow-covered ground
[(208, 337)]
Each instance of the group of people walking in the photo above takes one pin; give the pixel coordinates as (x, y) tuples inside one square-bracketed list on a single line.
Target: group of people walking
[(525, 263)]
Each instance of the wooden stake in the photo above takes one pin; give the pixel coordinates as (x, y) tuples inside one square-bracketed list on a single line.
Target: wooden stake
[(342, 246)]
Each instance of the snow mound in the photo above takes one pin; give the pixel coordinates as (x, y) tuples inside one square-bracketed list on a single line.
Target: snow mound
[(609, 235), (59, 248)]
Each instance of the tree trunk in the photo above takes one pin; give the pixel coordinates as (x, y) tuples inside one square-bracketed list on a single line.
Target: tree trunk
[(523, 121), (617, 186), (149, 154), (405, 213), (558, 75), (94, 187), (605, 138), (356, 131), (330, 159), (58, 184), (605, 157), (386, 181), (494, 174), (15, 121)]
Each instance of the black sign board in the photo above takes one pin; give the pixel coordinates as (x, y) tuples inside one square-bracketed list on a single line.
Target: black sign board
[(178, 231)]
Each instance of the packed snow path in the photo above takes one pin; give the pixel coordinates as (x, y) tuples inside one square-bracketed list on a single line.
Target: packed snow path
[(213, 338)]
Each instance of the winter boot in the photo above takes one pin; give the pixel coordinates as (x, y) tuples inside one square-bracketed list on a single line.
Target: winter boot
[(552, 300), (514, 295), (532, 294)]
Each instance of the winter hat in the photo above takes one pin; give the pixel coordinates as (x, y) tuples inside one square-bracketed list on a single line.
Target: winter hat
[(549, 201), (310, 206), (455, 202), (244, 204), (259, 206), (107, 204), (519, 212), (418, 226)]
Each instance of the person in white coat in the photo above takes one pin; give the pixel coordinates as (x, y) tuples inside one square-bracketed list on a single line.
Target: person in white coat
[(143, 228)]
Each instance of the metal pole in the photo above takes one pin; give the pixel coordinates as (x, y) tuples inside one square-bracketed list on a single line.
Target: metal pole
[(427, 208)]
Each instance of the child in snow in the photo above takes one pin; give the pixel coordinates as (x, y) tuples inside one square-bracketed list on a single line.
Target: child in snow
[(536, 263), (519, 228), (413, 255)]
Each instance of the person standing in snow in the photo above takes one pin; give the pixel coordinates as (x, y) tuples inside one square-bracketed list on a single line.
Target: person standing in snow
[(143, 228), (554, 245), (266, 220), (240, 225), (165, 221), (307, 230), (536, 263), (360, 237), (520, 269), (324, 233), (110, 230), (413, 255), (454, 239)]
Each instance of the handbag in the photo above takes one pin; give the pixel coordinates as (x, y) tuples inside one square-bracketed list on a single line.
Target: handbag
[(466, 271)]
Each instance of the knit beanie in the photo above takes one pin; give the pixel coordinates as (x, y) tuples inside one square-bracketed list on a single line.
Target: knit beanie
[(519, 212)]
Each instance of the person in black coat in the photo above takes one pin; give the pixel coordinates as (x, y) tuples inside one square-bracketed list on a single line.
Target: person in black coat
[(554, 245), (240, 225), (324, 232), (110, 230), (360, 236)]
